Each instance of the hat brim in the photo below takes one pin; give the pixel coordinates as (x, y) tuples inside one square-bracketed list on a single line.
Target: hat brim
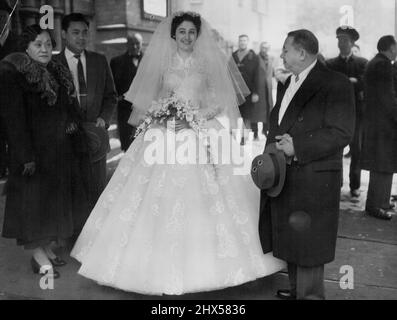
[(276, 190), (98, 141)]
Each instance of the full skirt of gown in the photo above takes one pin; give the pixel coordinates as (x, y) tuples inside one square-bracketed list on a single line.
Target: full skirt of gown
[(173, 228)]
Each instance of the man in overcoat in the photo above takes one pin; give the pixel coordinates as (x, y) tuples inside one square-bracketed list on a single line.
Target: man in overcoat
[(380, 128), (124, 69), (312, 122), (261, 110), (248, 64), (353, 67), (97, 98)]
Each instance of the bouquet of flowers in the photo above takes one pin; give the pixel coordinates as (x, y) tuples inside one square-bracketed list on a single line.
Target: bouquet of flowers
[(171, 108)]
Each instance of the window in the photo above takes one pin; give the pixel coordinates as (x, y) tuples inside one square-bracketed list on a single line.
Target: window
[(155, 9)]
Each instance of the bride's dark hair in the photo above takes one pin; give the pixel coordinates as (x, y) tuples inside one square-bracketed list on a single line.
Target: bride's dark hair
[(185, 16)]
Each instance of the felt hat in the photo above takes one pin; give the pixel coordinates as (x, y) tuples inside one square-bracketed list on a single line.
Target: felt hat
[(268, 171)]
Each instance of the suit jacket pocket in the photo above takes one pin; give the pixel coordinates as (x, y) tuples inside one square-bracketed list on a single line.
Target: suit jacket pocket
[(330, 165)]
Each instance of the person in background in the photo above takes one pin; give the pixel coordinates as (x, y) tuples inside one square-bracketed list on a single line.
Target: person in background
[(124, 69), (248, 64), (97, 100), (353, 67), (380, 129), (261, 110)]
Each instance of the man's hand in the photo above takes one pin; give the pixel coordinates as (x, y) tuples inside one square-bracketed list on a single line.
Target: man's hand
[(255, 98), (71, 128), (101, 123), (286, 144), (29, 169)]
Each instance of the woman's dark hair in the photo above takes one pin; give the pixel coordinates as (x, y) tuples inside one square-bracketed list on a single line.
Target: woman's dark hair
[(73, 17), (385, 43), (179, 19), (30, 33)]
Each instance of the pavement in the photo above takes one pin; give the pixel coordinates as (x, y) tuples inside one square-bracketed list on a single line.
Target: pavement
[(366, 256)]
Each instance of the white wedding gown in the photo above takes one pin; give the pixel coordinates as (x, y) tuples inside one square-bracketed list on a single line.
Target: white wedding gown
[(174, 229)]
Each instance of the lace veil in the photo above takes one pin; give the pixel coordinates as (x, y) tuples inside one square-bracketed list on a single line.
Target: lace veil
[(227, 85)]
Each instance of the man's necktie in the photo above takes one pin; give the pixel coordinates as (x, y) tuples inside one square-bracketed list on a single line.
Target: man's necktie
[(82, 84)]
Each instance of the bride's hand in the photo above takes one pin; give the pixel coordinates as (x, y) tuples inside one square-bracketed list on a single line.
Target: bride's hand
[(180, 125)]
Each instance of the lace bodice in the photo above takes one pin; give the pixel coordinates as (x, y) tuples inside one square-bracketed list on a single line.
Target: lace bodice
[(189, 80)]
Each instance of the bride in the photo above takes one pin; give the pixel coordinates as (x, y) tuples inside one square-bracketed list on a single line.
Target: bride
[(178, 228)]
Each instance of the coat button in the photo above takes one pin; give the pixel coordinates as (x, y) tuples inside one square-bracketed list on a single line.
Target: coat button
[(300, 119)]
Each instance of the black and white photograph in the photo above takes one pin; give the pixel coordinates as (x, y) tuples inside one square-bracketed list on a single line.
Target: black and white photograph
[(222, 151)]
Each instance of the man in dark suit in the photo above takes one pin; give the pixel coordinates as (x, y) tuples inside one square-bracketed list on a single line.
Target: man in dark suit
[(96, 94), (312, 122), (261, 110), (380, 130), (124, 69), (8, 44), (248, 63), (353, 67)]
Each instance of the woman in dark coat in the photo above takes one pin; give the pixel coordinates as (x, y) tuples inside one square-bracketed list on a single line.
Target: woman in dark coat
[(38, 109)]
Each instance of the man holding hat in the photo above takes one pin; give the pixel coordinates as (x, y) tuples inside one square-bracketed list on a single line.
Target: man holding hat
[(8, 45), (310, 125), (354, 68)]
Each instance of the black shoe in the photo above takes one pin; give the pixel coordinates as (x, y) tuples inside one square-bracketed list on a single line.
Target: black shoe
[(355, 193), (36, 268), (285, 295), (394, 197), (379, 213), (58, 262)]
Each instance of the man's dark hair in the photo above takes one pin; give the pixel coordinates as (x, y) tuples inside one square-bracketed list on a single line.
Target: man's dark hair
[(179, 19), (30, 33), (385, 43), (305, 39), (73, 17), (243, 36)]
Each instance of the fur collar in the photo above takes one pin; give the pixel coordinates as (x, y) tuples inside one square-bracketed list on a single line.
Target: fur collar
[(45, 80)]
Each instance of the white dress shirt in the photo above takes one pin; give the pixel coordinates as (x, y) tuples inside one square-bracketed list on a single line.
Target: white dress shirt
[(295, 83), (72, 63)]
